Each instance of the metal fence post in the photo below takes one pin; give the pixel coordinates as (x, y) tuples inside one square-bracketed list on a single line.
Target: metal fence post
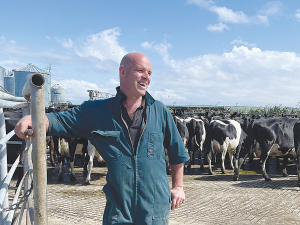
[(38, 140), (27, 166), (3, 162)]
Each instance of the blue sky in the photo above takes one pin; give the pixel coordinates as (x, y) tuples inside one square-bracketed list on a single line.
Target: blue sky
[(244, 53)]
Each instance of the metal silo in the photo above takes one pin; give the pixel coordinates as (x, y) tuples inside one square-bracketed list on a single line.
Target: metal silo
[(57, 94), (9, 83), (23, 75), (2, 74)]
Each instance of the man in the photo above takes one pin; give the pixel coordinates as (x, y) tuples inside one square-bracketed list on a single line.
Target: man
[(130, 131)]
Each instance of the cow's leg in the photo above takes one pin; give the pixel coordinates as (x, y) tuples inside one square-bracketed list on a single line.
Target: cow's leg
[(91, 153), (263, 167), (223, 161), (284, 166), (209, 158), (60, 168), (72, 150), (72, 175), (239, 161), (189, 163), (201, 161), (51, 146), (231, 161), (263, 159), (224, 148)]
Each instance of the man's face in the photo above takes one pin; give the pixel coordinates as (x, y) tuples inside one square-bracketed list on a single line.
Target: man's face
[(136, 77)]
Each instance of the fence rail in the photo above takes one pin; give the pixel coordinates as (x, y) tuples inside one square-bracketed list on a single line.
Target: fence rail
[(34, 92)]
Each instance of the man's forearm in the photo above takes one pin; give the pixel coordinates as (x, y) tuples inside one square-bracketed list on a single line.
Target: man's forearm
[(177, 175), (177, 192)]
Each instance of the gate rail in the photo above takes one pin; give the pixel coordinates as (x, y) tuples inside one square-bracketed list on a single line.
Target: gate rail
[(35, 213)]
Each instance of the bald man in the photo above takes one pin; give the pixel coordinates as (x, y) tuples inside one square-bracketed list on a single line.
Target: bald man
[(131, 132)]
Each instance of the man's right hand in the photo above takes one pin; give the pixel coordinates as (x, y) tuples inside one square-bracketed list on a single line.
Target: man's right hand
[(23, 128)]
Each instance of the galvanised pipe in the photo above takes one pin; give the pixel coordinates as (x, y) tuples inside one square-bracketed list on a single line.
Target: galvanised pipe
[(27, 166), (3, 164), (12, 104), (6, 183), (36, 97), (9, 97)]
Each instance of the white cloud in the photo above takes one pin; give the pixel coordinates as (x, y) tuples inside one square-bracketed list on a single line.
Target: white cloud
[(217, 27), (76, 90), (244, 76), (201, 3), (66, 43), (161, 48), (297, 15), (228, 16), (9, 65), (146, 45), (12, 49), (103, 46), (239, 41), (272, 9)]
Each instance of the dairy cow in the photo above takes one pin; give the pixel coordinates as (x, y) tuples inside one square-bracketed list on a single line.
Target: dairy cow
[(296, 132), (226, 135), (183, 131), (91, 153), (197, 136), (65, 148), (275, 137)]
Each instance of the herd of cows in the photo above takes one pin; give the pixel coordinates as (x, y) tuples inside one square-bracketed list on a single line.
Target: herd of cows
[(240, 136), (237, 136)]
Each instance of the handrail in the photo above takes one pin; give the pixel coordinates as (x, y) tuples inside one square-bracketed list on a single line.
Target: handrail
[(33, 91), (14, 202), (6, 182), (5, 139)]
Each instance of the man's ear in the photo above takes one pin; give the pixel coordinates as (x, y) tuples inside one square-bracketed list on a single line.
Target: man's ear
[(122, 70)]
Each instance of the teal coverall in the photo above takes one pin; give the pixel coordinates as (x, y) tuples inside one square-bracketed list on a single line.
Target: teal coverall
[(137, 188)]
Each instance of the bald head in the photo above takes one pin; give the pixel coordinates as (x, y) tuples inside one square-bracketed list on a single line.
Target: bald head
[(135, 70), (130, 58)]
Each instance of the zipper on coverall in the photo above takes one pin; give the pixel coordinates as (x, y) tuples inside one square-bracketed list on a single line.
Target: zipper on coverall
[(135, 153)]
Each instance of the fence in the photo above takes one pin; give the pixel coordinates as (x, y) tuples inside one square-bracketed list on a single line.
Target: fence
[(33, 203)]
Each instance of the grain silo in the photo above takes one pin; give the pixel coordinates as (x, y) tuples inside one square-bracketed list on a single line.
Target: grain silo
[(2, 74), (23, 75), (57, 94), (9, 83)]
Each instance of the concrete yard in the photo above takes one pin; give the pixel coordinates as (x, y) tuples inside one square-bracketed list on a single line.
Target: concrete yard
[(210, 199)]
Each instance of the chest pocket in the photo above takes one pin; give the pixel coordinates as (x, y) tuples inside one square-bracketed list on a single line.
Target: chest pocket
[(155, 147), (109, 142)]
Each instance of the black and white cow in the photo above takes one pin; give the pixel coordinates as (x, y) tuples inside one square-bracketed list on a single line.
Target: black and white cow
[(274, 137), (65, 148), (226, 135), (91, 153), (183, 130), (197, 136), (296, 131)]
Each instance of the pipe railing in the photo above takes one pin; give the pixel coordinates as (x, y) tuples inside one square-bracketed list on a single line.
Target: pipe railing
[(37, 179), (34, 92)]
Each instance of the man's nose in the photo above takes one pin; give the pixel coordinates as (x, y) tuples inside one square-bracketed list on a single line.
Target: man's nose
[(146, 75)]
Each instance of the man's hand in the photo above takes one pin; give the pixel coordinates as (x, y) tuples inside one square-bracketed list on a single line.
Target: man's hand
[(178, 197), (23, 128)]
